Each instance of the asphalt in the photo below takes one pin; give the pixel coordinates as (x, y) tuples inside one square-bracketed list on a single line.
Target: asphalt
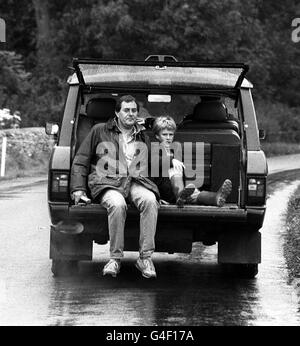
[(189, 290), (6, 184)]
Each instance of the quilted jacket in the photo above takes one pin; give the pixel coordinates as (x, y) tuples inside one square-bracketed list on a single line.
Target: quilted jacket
[(99, 162)]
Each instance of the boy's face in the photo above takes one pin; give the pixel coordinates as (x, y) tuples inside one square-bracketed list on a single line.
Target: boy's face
[(166, 137)]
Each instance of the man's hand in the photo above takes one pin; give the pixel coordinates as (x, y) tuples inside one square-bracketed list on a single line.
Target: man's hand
[(76, 195)]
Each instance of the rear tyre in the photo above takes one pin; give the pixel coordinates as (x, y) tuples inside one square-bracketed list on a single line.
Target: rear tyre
[(240, 270), (64, 267)]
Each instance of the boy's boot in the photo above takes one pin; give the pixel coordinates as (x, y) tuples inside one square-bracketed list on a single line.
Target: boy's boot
[(215, 198), (181, 193)]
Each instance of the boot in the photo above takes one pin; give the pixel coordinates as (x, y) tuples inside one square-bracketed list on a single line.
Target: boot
[(218, 198), (181, 193)]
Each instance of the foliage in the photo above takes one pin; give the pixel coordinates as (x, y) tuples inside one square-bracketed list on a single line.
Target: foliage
[(255, 32), (279, 148), (28, 151), (292, 235), (8, 120), (13, 79), (280, 122)]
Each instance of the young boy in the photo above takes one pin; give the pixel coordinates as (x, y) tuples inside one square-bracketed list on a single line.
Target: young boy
[(172, 188)]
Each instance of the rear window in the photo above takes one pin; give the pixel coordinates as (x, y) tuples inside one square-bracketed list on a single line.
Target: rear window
[(179, 106)]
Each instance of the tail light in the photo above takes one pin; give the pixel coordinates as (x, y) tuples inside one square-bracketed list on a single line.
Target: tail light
[(256, 190), (59, 186)]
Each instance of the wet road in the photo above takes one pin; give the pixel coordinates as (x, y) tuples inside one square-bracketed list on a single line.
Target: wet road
[(189, 290)]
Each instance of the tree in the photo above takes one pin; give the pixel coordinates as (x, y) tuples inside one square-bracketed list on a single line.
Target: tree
[(43, 35), (20, 29), (48, 34), (13, 80)]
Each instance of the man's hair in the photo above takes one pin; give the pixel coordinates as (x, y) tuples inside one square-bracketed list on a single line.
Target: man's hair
[(163, 123), (125, 98)]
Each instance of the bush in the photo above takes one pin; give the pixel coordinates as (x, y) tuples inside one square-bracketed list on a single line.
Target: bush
[(8, 120), (292, 235), (280, 148), (281, 122), (28, 151), (14, 80)]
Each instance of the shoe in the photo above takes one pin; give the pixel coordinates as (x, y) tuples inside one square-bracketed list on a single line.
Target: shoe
[(185, 194), (223, 192), (146, 266), (112, 267)]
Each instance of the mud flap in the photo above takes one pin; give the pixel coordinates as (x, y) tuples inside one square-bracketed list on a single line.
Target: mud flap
[(239, 247), (70, 246)]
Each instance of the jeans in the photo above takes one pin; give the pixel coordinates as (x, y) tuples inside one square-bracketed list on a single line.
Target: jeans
[(116, 206)]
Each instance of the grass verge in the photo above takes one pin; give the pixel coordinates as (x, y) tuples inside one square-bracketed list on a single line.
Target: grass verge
[(292, 236)]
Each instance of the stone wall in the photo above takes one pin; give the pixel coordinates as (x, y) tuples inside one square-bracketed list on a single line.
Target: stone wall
[(28, 151)]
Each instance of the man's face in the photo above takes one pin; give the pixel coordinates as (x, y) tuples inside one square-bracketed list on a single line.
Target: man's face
[(127, 116), (165, 137)]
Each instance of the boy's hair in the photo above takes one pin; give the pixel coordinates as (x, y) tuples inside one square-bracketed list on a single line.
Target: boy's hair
[(163, 123)]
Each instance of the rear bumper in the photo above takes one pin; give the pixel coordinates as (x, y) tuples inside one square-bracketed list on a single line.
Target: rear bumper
[(168, 211), (188, 214)]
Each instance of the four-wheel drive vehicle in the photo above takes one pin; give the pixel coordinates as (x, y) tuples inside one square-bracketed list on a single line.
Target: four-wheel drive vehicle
[(211, 104)]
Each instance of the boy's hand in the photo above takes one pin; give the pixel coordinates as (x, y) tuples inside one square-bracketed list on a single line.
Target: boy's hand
[(178, 165)]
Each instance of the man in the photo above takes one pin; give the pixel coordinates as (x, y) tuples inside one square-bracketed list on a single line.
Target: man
[(102, 156)]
